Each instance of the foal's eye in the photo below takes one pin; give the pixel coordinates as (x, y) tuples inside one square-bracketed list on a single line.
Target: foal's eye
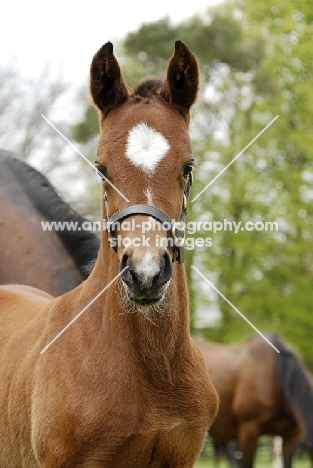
[(102, 171), (187, 170)]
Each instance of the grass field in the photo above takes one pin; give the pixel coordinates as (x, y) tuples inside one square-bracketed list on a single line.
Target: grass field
[(263, 457), (261, 462)]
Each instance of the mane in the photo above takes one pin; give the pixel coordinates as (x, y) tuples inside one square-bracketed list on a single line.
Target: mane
[(82, 245), (295, 381)]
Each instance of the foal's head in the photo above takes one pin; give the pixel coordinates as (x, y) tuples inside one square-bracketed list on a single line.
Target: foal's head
[(144, 152)]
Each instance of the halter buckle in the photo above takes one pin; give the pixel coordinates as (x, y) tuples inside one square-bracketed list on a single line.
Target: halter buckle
[(178, 234)]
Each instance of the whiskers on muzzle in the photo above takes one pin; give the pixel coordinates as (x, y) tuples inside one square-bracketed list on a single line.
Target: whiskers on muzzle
[(150, 312)]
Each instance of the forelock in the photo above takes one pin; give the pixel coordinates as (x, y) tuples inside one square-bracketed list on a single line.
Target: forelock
[(148, 87)]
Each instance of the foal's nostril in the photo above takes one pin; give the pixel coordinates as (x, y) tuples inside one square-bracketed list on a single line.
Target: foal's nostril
[(166, 269), (126, 275), (147, 274)]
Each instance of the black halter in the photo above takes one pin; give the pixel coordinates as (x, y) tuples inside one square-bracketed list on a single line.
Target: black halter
[(175, 230)]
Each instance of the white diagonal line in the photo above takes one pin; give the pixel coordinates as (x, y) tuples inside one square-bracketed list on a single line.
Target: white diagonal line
[(235, 308), (83, 310), (83, 156), (235, 158)]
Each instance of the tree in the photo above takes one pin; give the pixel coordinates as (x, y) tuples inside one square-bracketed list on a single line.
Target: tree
[(22, 129), (268, 276)]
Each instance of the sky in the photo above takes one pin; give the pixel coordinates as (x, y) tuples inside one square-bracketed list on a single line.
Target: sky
[(66, 34)]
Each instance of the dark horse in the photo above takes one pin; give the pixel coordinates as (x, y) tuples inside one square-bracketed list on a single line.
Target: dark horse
[(54, 261), (124, 386), (261, 392)]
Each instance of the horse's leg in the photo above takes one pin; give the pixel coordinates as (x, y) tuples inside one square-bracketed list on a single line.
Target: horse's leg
[(217, 452), (248, 433), (289, 448), (310, 452), (233, 448), (288, 459)]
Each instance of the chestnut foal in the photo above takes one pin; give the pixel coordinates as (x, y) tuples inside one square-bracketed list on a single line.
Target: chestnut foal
[(124, 386)]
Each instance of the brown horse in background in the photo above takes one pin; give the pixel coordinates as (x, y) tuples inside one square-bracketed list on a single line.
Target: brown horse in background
[(124, 386), (54, 261), (262, 392)]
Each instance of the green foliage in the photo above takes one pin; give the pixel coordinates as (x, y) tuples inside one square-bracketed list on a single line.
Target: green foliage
[(267, 275), (88, 127), (214, 38), (145, 39)]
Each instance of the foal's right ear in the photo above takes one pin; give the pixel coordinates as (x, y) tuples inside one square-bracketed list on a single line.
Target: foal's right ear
[(107, 86), (181, 85)]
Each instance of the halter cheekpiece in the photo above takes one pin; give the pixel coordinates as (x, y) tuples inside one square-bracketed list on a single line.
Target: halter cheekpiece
[(175, 229)]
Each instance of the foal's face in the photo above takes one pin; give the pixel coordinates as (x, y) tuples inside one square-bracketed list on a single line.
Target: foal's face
[(145, 151)]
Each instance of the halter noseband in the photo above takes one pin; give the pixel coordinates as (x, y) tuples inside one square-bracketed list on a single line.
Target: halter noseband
[(175, 230)]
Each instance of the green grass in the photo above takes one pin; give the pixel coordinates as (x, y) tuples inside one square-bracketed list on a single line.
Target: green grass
[(261, 462), (263, 458)]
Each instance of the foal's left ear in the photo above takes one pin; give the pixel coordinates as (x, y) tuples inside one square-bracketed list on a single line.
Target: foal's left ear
[(107, 86), (182, 83)]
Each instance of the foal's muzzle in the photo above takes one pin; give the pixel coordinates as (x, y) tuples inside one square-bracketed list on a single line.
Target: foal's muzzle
[(146, 279)]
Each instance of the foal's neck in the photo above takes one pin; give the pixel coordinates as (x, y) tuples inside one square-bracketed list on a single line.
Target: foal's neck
[(153, 335)]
